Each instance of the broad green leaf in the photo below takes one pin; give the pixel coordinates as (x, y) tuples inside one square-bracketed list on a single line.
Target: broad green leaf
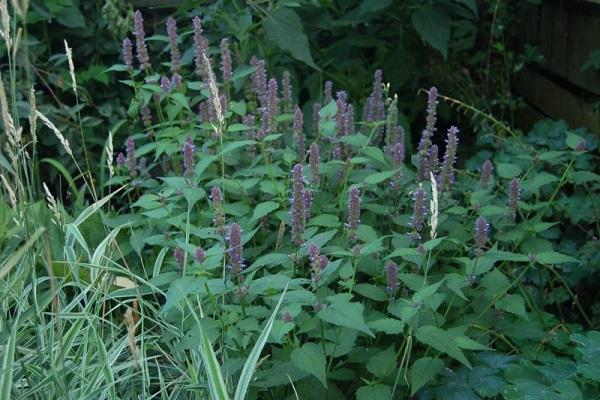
[(433, 25), (514, 304), (346, 314), (495, 283), (508, 171), (262, 209), (552, 257), (310, 358), (284, 28), (379, 392), (390, 326), (378, 177), (326, 220), (383, 363), (441, 340), (423, 371), (370, 291), (573, 140)]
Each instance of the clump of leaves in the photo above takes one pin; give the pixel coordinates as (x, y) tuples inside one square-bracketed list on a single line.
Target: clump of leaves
[(404, 272)]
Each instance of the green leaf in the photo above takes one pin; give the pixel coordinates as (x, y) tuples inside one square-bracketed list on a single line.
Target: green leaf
[(508, 171), (379, 392), (514, 304), (573, 140), (370, 291), (310, 358), (495, 283), (390, 326), (383, 363), (433, 25), (284, 28), (346, 314), (552, 257), (326, 220), (442, 341), (423, 371), (263, 209), (378, 177)]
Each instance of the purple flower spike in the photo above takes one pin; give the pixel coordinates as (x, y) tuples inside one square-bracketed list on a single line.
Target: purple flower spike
[(188, 157), (179, 255), (353, 213), (250, 134), (140, 44), (482, 229), (348, 120), (272, 105), (286, 92), (398, 162), (340, 114), (391, 277), (431, 112), (419, 210), (216, 198), (327, 92), (165, 84), (433, 159), (514, 195), (313, 161), (259, 80), (486, 172), (315, 118), (308, 198), (131, 161), (298, 211), (175, 55), (446, 177), (423, 165), (235, 249), (199, 256), (226, 65), (298, 135), (120, 159), (201, 49), (128, 54)]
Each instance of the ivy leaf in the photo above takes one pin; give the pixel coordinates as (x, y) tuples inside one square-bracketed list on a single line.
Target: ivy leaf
[(434, 27), (346, 314), (442, 341), (423, 371), (263, 209), (310, 358), (284, 28)]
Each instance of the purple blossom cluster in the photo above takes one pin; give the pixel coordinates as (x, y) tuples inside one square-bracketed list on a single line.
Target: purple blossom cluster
[(272, 106), (514, 195), (131, 160), (314, 161), (201, 50), (419, 210), (235, 249), (374, 110), (226, 64), (259, 80), (140, 43), (315, 118), (175, 55), (298, 211), (188, 157), (298, 134), (328, 92), (179, 256), (486, 172), (199, 255), (391, 277), (446, 177), (482, 229), (353, 213), (128, 54), (318, 262), (286, 92)]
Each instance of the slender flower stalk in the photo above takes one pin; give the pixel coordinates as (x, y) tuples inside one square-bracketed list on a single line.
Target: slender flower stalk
[(307, 197), (188, 157), (314, 161), (286, 91), (250, 134), (259, 80), (433, 159), (179, 256), (235, 249), (216, 198), (272, 105), (140, 44), (315, 119), (514, 195), (391, 277), (446, 177), (298, 211), (226, 65), (121, 159), (131, 160), (175, 55), (391, 123), (298, 134), (165, 84), (481, 233), (353, 213), (398, 162), (486, 172), (419, 210), (202, 59), (349, 120), (128, 54), (328, 92)]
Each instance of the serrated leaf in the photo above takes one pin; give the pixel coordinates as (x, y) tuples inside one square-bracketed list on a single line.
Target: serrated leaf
[(423, 371), (508, 171), (553, 257), (346, 314), (284, 28), (383, 363), (262, 209), (370, 291), (442, 341), (433, 25), (379, 392), (390, 326), (514, 304), (310, 358), (378, 177)]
